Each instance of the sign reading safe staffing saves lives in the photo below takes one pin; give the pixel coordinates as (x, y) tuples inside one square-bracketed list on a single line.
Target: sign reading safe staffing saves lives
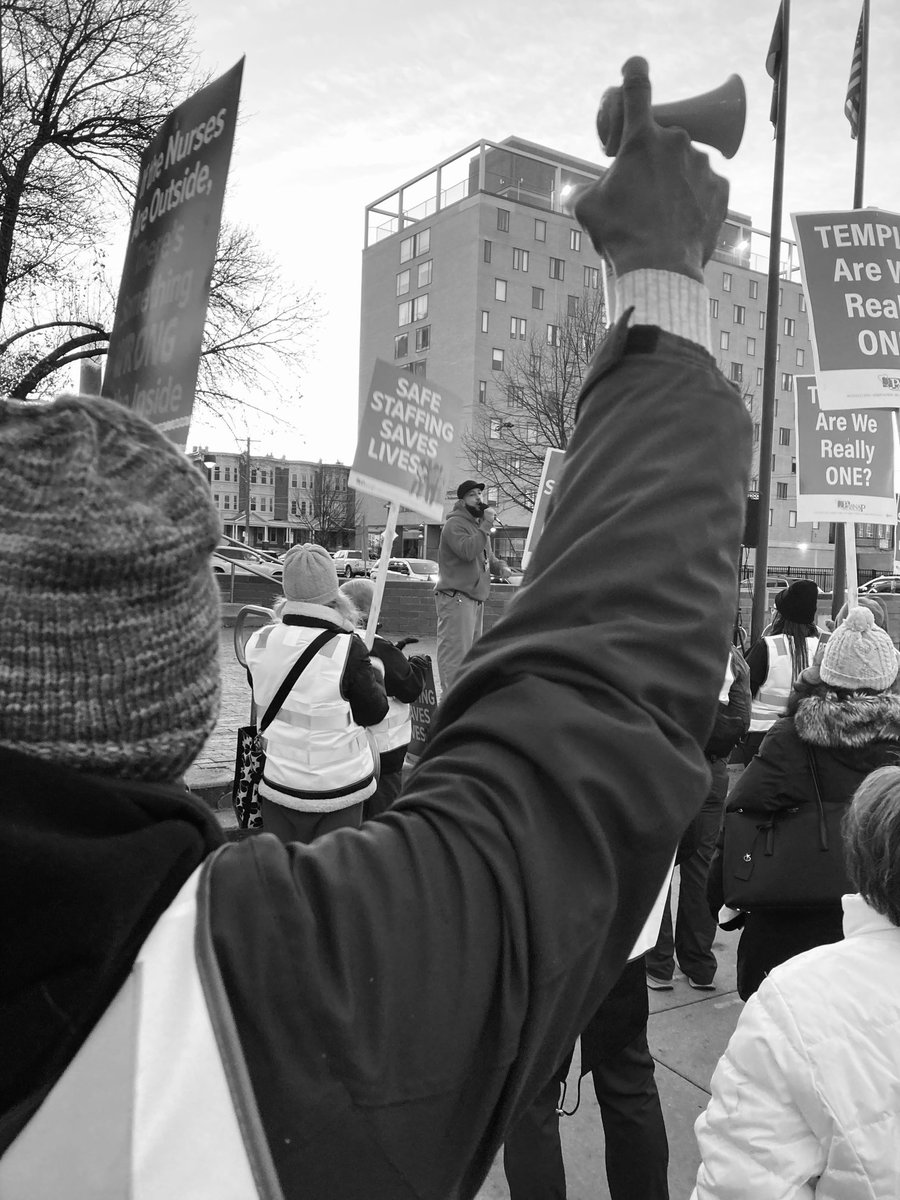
[(850, 262), (845, 461), (154, 348), (408, 436)]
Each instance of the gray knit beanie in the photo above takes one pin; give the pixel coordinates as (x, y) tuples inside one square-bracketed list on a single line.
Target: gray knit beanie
[(310, 575), (109, 610), (859, 655)]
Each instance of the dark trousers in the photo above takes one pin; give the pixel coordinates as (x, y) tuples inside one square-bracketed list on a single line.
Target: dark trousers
[(389, 785), (289, 825), (695, 927), (637, 1150)]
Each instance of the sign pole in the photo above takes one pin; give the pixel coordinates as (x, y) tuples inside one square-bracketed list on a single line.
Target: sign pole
[(850, 562), (390, 526)]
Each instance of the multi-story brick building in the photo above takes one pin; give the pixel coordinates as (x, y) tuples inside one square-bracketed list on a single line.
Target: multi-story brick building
[(475, 256)]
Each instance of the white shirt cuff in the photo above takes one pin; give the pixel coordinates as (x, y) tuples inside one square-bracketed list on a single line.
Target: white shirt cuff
[(674, 302)]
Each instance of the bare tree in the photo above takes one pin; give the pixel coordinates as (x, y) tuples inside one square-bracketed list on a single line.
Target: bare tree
[(533, 408), (84, 86), (335, 508)]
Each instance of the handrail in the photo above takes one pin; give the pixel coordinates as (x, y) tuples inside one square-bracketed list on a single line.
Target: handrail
[(240, 641)]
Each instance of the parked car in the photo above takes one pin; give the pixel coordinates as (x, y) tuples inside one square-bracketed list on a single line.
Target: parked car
[(414, 570), (515, 578), (774, 583), (240, 558), (880, 584), (350, 563)]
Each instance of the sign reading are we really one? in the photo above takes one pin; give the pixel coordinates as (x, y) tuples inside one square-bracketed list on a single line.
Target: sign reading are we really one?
[(408, 437), (850, 263), (845, 461)]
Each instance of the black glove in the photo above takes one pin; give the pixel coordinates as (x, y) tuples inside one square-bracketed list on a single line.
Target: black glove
[(420, 661)]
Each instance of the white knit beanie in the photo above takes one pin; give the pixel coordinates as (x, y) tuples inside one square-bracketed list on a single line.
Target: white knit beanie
[(310, 575), (859, 655)]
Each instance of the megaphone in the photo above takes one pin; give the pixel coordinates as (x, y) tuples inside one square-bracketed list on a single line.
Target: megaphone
[(716, 118)]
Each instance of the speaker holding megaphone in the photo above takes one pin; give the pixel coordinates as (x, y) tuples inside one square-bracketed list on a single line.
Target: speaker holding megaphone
[(716, 118)]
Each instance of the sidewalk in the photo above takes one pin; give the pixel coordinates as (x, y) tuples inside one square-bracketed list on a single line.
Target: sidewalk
[(688, 1030)]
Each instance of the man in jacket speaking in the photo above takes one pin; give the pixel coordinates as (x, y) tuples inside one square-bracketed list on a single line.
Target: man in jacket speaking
[(464, 583)]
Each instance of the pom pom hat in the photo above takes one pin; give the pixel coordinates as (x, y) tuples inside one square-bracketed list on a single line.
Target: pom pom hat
[(859, 655), (109, 610)]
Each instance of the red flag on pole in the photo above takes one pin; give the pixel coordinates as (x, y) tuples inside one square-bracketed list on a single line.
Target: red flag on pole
[(854, 88), (773, 62)]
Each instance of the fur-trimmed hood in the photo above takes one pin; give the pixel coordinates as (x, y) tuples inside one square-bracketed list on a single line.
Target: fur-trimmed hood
[(842, 721)]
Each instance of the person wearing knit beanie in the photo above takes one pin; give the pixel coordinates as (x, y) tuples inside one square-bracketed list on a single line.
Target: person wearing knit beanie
[(859, 656), (310, 575), (109, 609), (798, 602)]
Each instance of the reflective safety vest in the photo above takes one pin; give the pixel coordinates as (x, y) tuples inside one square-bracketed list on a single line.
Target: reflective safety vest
[(771, 700), (396, 728), (317, 758)]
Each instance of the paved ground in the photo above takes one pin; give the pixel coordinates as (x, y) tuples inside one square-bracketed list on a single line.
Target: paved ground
[(688, 1030)]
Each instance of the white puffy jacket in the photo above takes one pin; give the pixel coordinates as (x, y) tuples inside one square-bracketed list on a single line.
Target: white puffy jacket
[(806, 1099)]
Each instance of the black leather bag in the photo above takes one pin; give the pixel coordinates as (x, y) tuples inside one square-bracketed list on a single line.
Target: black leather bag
[(791, 858)]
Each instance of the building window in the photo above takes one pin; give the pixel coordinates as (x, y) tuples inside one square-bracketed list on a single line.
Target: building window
[(293, 508), (788, 326), (537, 298), (517, 328), (216, 472), (482, 391), (402, 282), (740, 314), (754, 289), (759, 376), (423, 242), (416, 368), (423, 339), (724, 339), (406, 249), (497, 357), (778, 352), (294, 479), (420, 307), (792, 518), (557, 268), (781, 491), (572, 306), (801, 356), (515, 395), (531, 434), (253, 504), (492, 493), (494, 428), (737, 372), (754, 483), (780, 296), (713, 308), (784, 435), (540, 230), (487, 250), (756, 433), (787, 381), (404, 312), (499, 289), (228, 474), (793, 466), (762, 320), (771, 514), (401, 349), (520, 259), (216, 499), (503, 220), (302, 508), (425, 273), (575, 239), (552, 335), (485, 320), (726, 281), (751, 347), (802, 302), (254, 475), (592, 277)]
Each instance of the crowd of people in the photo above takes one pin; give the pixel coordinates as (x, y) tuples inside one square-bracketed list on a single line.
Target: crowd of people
[(375, 995)]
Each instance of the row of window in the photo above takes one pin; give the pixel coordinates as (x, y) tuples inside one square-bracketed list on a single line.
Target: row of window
[(422, 342), (784, 434), (521, 260), (739, 317), (753, 290), (528, 433), (257, 503), (259, 475), (540, 229), (736, 375), (413, 310), (416, 244), (424, 273), (725, 344)]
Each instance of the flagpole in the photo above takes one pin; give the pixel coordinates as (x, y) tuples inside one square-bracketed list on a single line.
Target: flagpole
[(767, 419), (861, 123)]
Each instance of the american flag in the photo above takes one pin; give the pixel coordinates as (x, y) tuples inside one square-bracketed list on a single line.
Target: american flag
[(773, 62), (854, 88)]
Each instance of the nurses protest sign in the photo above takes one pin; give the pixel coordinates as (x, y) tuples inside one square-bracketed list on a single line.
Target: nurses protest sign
[(553, 461), (850, 262), (406, 451), (845, 461), (154, 348)]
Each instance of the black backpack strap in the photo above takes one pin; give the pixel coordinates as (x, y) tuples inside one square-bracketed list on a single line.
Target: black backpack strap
[(294, 674)]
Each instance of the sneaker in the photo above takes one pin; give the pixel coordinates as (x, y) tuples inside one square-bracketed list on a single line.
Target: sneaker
[(702, 987), (658, 984)]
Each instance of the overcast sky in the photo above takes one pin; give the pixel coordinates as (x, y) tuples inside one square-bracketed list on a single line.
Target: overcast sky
[(344, 100)]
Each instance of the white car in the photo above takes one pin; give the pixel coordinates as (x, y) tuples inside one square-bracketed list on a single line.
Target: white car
[(413, 570), (244, 561), (350, 563)]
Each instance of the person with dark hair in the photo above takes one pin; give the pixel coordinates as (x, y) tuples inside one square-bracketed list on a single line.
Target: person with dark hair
[(779, 657), (367, 1015), (465, 562), (805, 1100), (842, 721)]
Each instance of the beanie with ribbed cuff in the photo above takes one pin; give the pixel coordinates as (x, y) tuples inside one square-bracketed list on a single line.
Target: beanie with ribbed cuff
[(109, 609), (859, 655), (310, 575)]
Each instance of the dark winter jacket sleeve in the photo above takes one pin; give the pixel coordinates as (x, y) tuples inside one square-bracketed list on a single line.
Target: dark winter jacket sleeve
[(403, 680), (732, 719), (424, 975), (758, 662), (362, 686)]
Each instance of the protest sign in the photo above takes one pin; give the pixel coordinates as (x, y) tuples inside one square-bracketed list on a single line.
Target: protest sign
[(553, 461), (422, 712), (154, 348), (850, 262), (407, 443), (845, 461)]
